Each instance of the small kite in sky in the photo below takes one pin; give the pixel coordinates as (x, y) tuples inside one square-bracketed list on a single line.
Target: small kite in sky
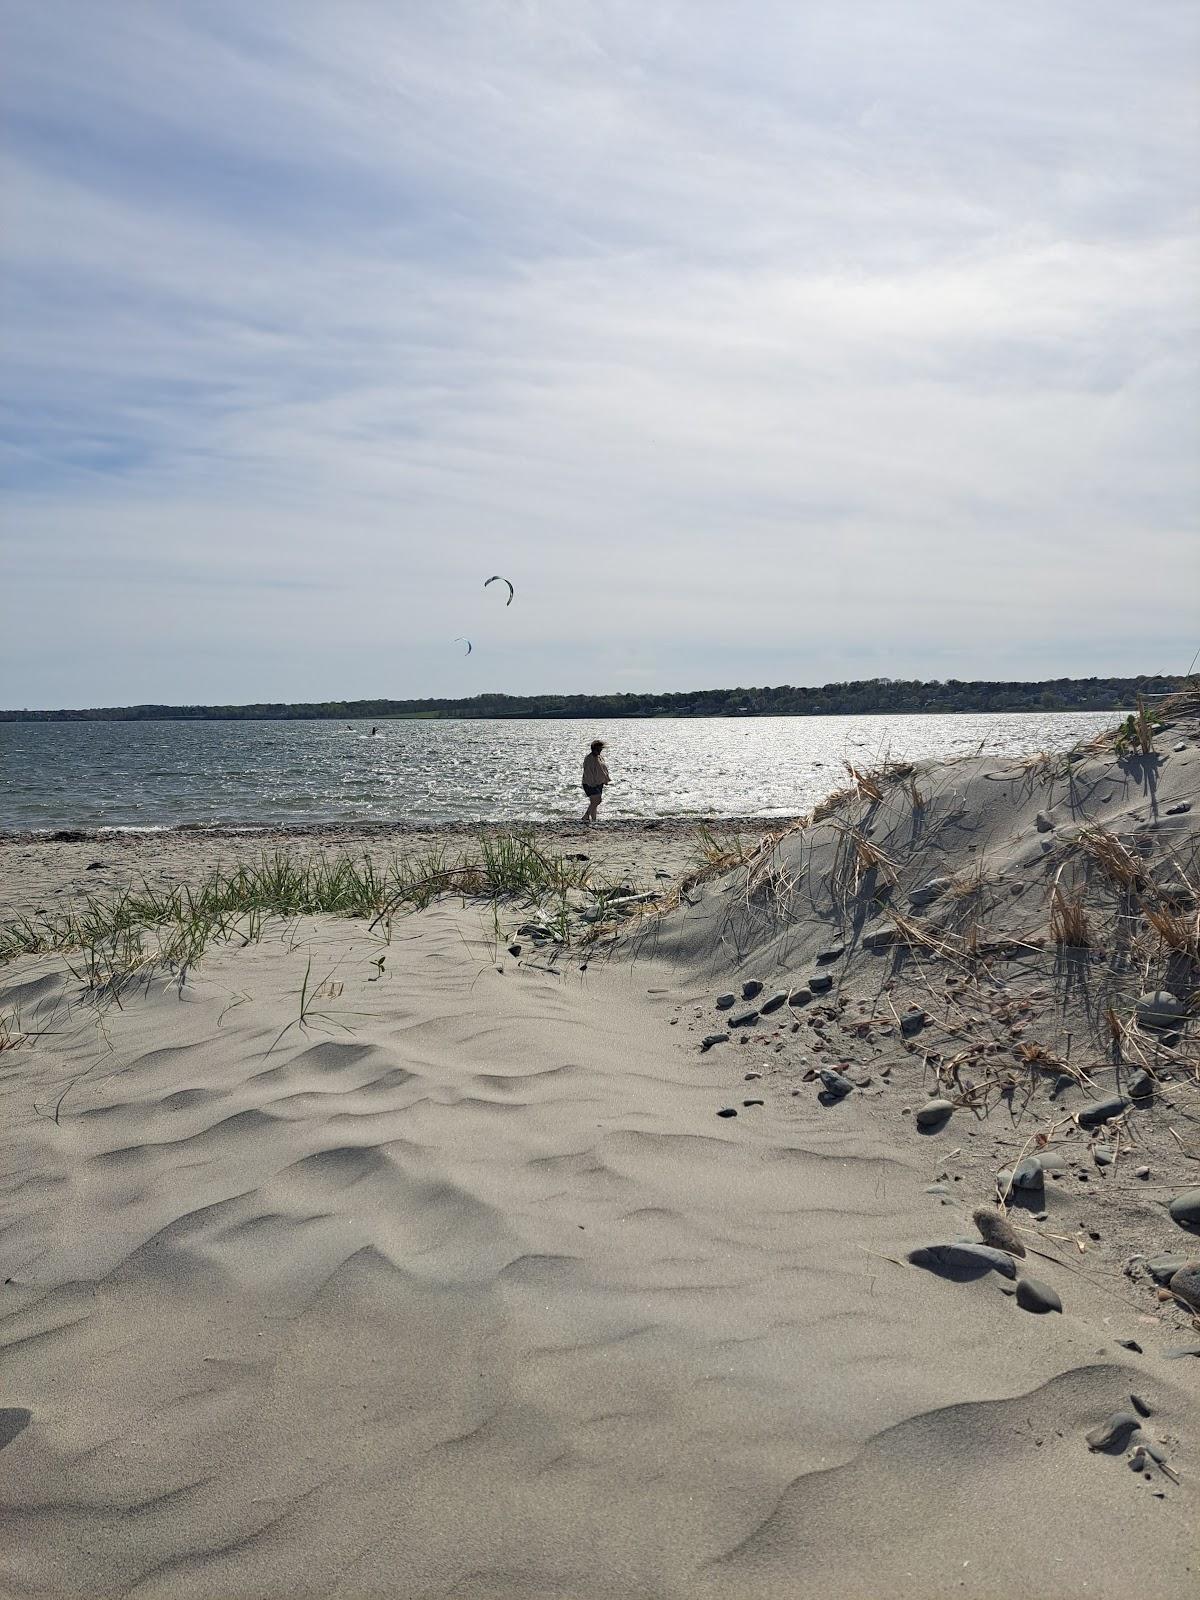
[(460, 639), (498, 579)]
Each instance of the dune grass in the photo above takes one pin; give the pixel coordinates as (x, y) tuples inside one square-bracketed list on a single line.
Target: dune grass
[(171, 925)]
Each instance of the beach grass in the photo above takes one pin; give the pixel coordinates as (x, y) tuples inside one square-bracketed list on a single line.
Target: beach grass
[(167, 924)]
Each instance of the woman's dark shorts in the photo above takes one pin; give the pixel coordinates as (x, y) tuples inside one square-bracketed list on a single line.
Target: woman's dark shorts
[(593, 789)]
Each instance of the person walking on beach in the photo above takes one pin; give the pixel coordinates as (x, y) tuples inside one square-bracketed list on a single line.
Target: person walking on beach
[(595, 776)]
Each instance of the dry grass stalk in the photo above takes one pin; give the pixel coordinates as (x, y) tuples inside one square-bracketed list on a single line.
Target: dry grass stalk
[(919, 937), (1116, 860), (1178, 930), (867, 783), (1068, 917)]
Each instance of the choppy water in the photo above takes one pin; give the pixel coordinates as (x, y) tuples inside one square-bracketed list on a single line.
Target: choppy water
[(171, 774)]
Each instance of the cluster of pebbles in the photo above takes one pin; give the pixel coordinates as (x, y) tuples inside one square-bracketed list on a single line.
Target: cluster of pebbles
[(770, 1017)]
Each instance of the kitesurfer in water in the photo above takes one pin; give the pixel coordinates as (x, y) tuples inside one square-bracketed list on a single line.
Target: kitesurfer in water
[(595, 776)]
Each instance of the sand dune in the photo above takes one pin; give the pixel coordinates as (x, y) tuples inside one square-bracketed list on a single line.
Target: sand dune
[(462, 1288)]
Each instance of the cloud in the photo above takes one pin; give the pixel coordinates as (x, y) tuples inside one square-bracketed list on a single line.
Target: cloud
[(755, 344)]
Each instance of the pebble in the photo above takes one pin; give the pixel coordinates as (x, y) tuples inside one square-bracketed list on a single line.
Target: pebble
[(711, 1039), (1091, 1116), (880, 939), (1158, 1008), (835, 1083), (938, 1188), (1141, 1086), (1180, 747), (774, 1003), (1102, 1156), (746, 1019), (1034, 1295), (1130, 1344), (1175, 811), (934, 1114), (727, 1111), (962, 1260), (1141, 1172), (1027, 1174), (927, 892), (750, 988), (799, 997), (835, 952), (1142, 1407), (1185, 1284), (725, 1001), (820, 982), (1114, 1432), (1163, 1268), (996, 1230), (753, 1102), (1043, 823), (1182, 1350), (1185, 1209)]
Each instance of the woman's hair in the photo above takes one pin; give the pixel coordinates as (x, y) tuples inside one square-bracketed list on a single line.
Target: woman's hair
[(597, 745)]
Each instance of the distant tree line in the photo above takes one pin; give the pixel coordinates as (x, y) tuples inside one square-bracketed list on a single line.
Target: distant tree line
[(831, 699)]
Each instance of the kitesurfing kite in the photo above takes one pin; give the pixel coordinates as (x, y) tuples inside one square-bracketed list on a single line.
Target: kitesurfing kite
[(496, 578), (460, 639)]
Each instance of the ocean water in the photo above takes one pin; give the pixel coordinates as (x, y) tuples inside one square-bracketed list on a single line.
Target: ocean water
[(147, 775)]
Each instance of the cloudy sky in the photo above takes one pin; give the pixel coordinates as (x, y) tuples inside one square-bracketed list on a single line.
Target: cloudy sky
[(759, 343)]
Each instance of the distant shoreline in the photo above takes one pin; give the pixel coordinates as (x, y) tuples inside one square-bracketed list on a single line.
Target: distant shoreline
[(865, 697)]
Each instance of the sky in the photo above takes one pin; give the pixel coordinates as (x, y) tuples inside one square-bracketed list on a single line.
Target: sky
[(761, 343)]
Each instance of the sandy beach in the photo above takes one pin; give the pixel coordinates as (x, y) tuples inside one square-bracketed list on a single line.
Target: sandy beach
[(459, 1255)]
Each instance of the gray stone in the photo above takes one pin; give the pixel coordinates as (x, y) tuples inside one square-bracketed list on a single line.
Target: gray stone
[(926, 893), (1185, 1209), (880, 939), (1185, 1284), (725, 1001), (1043, 823), (1142, 1407), (1028, 1174), (835, 1083), (1141, 1086), (799, 997), (996, 1230), (711, 1039), (750, 988), (1141, 1172), (934, 1114), (1102, 1156), (1091, 1116), (1180, 1351), (1114, 1432), (727, 1111), (1178, 811), (1163, 1268), (1158, 1009), (913, 1021), (1176, 893), (1033, 1295), (962, 1261), (820, 982), (745, 1019), (835, 952), (774, 1003)]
